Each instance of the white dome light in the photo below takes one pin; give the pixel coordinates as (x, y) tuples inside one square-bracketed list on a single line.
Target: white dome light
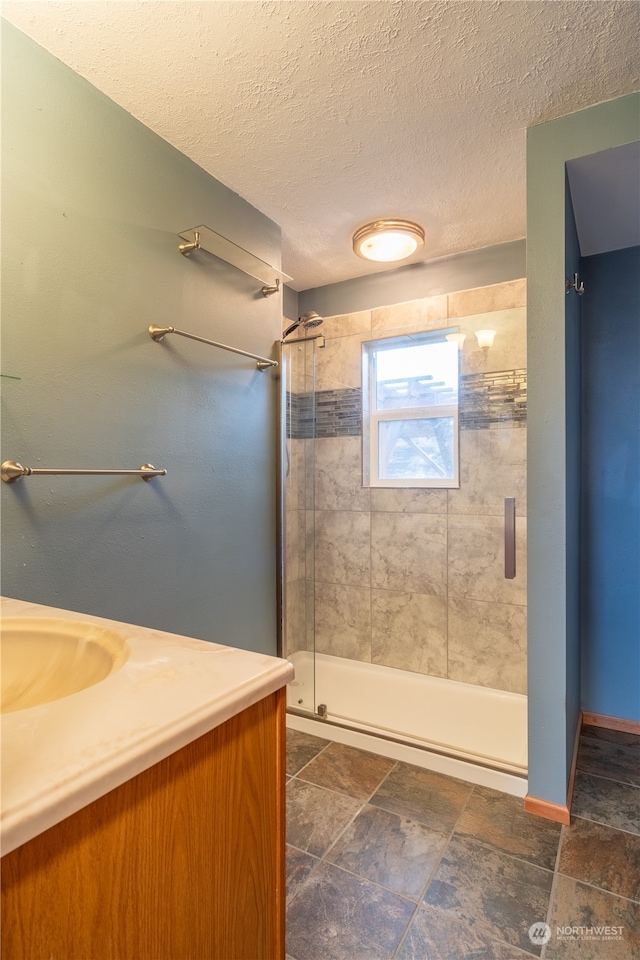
[(388, 240)]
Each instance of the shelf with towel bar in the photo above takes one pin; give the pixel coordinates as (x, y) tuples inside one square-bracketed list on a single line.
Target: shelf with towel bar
[(204, 238), (157, 333), (11, 471)]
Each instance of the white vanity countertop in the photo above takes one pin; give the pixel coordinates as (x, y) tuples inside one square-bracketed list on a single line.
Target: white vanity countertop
[(63, 755)]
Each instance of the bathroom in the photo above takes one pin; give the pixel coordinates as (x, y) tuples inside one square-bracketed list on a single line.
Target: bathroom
[(93, 202)]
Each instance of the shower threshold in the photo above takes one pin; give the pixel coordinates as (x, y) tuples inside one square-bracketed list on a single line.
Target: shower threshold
[(475, 733)]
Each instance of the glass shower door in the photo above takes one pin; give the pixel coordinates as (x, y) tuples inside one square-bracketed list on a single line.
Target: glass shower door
[(298, 588)]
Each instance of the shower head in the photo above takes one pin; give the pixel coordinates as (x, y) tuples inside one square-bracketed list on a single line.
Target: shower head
[(307, 320), (311, 320)]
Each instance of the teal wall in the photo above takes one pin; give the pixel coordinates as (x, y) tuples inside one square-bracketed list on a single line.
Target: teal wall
[(611, 484), (553, 447), (92, 204), (476, 268)]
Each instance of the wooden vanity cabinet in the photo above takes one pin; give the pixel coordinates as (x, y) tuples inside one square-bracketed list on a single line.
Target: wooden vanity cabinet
[(183, 862)]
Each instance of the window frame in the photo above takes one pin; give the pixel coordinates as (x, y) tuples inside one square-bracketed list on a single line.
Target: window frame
[(372, 417)]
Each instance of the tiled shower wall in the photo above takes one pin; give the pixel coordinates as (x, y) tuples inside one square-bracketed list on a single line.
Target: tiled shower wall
[(411, 578)]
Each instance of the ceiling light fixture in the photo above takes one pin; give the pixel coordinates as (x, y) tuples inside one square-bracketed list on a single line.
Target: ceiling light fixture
[(388, 240)]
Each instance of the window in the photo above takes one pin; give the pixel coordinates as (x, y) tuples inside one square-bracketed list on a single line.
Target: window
[(410, 400)]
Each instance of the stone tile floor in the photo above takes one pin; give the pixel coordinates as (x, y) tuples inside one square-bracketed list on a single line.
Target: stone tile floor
[(386, 861)]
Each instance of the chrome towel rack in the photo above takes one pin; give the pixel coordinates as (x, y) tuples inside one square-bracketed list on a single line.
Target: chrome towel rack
[(157, 333), (11, 470)]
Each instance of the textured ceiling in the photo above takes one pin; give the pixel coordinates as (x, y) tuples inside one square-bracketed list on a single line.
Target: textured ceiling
[(324, 115)]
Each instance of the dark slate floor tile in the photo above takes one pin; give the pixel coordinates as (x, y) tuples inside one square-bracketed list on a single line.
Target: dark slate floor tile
[(336, 916), (431, 798), (316, 817), (435, 936), (301, 748), (602, 857), (498, 895), (577, 905), (616, 761), (499, 820), (393, 851), (613, 736), (606, 801), (348, 770), (299, 866)]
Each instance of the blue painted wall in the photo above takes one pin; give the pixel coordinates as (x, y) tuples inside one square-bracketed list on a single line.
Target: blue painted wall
[(553, 467), (476, 268), (611, 484), (92, 202)]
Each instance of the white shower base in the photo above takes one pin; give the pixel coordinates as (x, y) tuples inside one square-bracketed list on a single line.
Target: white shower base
[(467, 731)]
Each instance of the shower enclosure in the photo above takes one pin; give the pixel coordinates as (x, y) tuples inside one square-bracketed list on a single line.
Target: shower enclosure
[(401, 610)]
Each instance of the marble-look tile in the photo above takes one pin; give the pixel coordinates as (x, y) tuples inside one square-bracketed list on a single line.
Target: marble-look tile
[(509, 349), (294, 367), (343, 621), (498, 820), (431, 798), (396, 852), (498, 895), (436, 936), (338, 475), (294, 474), (339, 363), (409, 631), (307, 496), (346, 324), (408, 500), (601, 857), (429, 313), (616, 761), (611, 736), (342, 547), (577, 905), (337, 916), (356, 773), (316, 817), (310, 614), (497, 296), (606, 801), (493, 465), (308, 534), (299, 866), (301, 748), (409, 552), (293, 544), (475, 548), (488, 644), (294, 624)]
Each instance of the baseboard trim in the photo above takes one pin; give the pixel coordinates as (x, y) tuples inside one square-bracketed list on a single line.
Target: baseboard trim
[(544, 808), (556, 811), (611, 723)]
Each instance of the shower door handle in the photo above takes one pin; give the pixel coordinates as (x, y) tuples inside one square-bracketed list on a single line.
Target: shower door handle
[(509, 538)]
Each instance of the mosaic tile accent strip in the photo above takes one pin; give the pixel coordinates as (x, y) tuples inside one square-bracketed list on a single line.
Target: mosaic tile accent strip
[(486, 400), (338, 413)]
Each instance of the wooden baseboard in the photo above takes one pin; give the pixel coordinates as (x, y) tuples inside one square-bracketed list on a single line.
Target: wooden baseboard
[(611, 723), (544, 808), (555, 811)]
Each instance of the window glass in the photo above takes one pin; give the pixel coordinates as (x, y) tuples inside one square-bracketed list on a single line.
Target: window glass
[(410, 401)]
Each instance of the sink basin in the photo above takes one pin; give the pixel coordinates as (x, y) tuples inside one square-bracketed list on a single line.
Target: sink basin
[(44, 659)]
